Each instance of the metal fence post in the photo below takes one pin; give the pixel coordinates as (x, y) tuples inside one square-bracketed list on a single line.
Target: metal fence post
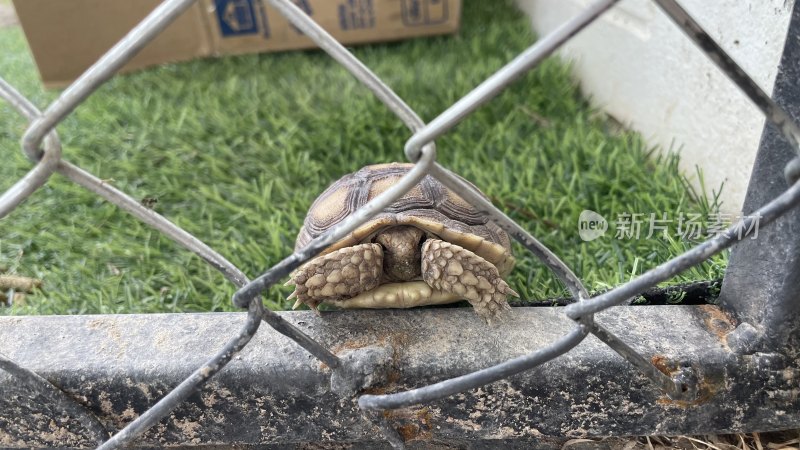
[(762, 282)]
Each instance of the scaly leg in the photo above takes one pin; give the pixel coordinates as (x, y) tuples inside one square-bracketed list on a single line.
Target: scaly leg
[(450, 268), (338, 275)]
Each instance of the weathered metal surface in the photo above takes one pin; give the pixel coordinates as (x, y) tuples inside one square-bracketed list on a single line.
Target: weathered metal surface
[(762, 283), (44, 409), (276, 393)]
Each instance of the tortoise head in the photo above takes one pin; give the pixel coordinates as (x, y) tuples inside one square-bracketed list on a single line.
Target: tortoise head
[(402, 252)]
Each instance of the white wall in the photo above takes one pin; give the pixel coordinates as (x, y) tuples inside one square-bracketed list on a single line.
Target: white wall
[(635, 63)]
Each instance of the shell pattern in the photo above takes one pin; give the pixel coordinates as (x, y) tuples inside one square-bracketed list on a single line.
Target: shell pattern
[(429, 205)]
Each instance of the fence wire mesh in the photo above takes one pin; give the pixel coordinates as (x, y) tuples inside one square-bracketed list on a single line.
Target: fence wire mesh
[(42, 146)]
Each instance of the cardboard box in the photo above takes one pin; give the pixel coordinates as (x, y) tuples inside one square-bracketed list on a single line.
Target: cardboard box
[(67, 36)]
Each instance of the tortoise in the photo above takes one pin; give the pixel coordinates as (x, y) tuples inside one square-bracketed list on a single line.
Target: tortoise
[(428, 247)]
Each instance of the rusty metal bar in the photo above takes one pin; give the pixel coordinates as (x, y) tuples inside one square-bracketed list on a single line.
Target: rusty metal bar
[(274, 393), (476, 379), (762, 282), (673, 388)]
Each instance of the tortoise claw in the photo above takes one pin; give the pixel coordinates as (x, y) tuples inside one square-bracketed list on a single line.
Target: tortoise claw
[(311, 306), (503, 287)]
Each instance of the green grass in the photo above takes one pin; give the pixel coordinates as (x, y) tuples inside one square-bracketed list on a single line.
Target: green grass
[(235, 149)]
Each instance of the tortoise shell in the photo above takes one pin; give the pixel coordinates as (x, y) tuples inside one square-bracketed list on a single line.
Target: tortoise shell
[(429, 205)]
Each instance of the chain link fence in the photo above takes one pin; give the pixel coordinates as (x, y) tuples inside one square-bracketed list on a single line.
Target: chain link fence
[(42, 146)]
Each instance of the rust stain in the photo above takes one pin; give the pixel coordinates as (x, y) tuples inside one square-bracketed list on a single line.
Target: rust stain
[(398, 340), (412, 424), (706, 387), (376, 390), (409, 432), (354, 344), (424, 415), (391, 384), (705, 392), (717, 321), (660, 361)]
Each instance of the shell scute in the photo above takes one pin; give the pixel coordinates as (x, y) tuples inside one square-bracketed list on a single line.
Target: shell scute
[(429, 205)]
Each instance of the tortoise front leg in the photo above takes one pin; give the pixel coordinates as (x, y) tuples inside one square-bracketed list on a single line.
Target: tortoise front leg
[(450, 268), (338, 275)]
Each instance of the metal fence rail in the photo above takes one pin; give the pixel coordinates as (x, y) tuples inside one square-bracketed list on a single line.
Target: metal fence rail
[(348, 374)]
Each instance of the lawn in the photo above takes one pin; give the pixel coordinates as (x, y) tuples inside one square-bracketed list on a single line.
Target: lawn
[(235, 149)]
